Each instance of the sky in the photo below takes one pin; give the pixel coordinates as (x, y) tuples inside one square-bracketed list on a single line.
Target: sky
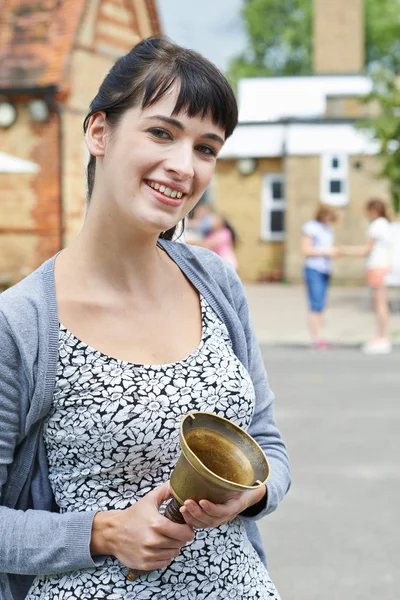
[(211, 27)]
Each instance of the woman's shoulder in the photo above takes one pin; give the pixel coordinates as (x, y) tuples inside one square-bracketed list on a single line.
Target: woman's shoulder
[(206, 264), (193, 254), (27, 296)]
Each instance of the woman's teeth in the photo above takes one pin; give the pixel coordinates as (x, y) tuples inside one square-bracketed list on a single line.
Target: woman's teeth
[(165, 190)]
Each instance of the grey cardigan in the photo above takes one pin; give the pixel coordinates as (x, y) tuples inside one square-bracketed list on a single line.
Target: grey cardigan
[(34, 537)]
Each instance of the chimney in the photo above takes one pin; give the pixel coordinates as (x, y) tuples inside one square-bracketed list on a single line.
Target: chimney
[(338, 37)]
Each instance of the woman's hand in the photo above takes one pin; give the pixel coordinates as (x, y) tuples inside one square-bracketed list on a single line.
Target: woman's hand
[(206, 514), (139, 536)]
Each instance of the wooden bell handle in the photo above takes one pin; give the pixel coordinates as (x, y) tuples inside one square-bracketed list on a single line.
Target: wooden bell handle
[(172, 513)]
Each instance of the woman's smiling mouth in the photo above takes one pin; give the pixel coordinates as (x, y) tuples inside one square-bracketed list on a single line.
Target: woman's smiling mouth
[(167, 191)]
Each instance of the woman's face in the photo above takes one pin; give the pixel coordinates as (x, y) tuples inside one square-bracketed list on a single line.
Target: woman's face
[(154, 166)]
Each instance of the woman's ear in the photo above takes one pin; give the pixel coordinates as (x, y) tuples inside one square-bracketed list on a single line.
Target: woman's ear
[(95, 136)]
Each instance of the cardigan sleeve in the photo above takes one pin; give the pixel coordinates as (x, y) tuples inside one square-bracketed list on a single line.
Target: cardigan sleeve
[(263, 427), (32, 541)]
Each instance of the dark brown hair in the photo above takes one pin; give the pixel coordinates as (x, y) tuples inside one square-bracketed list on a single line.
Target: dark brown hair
[(326, 211), (379, 207), (146, 73)]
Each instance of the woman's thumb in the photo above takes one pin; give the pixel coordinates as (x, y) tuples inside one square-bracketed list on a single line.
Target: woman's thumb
[(161, 494)]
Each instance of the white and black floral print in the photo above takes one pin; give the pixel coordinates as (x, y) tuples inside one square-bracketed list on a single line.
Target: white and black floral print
[(113, 435)]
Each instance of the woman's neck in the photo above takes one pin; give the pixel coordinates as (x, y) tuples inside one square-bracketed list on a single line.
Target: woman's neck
[(111, 254)]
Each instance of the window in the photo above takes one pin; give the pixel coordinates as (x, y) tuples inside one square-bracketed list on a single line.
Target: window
[(335, 163), (335, 186), (334, 179), (273, 207)]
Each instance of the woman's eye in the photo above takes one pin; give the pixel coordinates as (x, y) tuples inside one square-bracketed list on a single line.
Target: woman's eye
[(160, 133), (207, 150)]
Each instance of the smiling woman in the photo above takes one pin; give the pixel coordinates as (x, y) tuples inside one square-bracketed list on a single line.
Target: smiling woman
[(109, 344)]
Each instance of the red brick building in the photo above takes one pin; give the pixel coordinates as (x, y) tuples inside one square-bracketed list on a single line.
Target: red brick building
[(53, 56)]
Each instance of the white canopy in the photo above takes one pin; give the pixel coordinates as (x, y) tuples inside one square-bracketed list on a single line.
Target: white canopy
[(277, 98), (12, 164), (274, 140)]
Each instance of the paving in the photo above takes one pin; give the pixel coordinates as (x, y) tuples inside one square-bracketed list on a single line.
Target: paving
[(279, 314), (335, 536)]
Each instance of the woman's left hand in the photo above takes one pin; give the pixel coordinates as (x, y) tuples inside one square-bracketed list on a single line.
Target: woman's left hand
[(206, 514)]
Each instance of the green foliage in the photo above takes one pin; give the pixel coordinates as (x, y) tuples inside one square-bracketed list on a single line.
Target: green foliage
[(382, 33), (385, 128), (280, 36), (280, 39)]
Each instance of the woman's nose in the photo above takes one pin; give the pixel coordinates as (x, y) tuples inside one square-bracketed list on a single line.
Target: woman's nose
[(180, 161)]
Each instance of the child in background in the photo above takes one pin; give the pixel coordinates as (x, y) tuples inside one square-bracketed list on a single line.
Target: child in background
[(317, 246), (378, 253), (219, 237)]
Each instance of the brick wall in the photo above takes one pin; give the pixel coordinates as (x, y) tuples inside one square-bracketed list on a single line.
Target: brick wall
[(30, 203), (87, 71), (238, 198)]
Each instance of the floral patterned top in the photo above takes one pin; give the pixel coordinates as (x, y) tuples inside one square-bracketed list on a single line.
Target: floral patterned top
[(113, 435)]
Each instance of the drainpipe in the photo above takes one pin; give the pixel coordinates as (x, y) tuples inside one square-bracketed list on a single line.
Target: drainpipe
[(57, 109)]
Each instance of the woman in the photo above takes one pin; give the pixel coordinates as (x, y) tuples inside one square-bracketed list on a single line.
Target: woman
[(318, 249), (110, 343), (377, 251)]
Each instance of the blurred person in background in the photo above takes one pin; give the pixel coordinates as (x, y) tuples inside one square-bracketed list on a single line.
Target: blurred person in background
[(199, 223), (317, 246), (217, 235), (378, 253)]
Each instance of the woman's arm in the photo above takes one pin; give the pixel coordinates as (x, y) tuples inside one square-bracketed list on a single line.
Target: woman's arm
[(31, 541), (263, 427), (307, 249)]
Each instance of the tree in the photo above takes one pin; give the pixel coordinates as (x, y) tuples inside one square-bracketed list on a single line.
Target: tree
[(280, 37), (385, 127)]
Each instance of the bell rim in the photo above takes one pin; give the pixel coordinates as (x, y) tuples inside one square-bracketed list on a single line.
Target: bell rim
[(238, 487)]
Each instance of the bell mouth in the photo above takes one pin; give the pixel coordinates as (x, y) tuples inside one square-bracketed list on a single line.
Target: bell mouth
[(236, 462)]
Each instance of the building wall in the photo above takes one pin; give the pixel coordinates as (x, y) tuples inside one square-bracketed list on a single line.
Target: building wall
[(29, 203), (338, 36), (238, 198), (302, 189), (109, 30), (88, 69)]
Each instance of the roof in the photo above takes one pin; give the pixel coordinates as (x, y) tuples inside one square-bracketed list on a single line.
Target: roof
[(259, 140), (36, 39), (278, 98)]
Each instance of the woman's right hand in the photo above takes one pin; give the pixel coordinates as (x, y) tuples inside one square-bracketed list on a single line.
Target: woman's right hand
[(139, 536)]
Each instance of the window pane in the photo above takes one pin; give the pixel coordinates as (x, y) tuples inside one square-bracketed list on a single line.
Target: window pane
[(335, 163), (277, 221), (277, 190), (335, 186)]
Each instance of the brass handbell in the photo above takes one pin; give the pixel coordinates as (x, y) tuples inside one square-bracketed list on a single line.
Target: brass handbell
[(217, 458)]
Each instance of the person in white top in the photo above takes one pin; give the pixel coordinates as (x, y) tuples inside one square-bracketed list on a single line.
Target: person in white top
[(378, 251), (317, 247)]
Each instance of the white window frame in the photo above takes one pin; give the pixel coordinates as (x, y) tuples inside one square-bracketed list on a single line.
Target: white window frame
[(328, 173), (268, 204)]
